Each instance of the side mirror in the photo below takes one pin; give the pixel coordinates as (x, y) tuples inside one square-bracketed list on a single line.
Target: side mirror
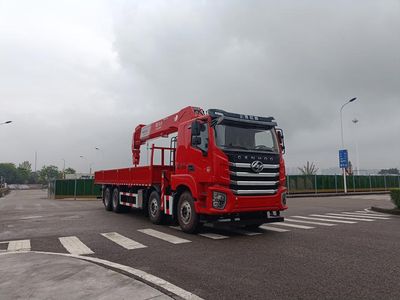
[(196, 140), (196, 126), (281, 139)]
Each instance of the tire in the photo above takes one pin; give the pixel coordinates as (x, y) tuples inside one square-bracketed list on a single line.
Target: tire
[(116, 206), (107, 199), (156, 216), (188, 219)]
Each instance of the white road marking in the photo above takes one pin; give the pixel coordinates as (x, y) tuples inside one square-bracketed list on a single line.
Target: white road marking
[(325, 220), (309, 222), (74, 245), (364, 216), (176, 228), (293, 225), (343, 218), (373, 213), (214, 236), (269, 228), (164, 236), (123, 241), (30, 217), (146, 277), (21, 245)]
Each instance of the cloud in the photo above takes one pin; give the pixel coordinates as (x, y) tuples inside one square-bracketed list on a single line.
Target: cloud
[(91, 73)]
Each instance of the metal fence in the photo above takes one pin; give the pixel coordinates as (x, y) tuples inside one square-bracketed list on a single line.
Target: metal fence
[(334, 183), (296, 184), (73, 188)]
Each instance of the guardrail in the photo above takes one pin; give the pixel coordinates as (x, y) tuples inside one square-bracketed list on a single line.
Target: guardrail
[(4, 191), (334, 183), (296, 184)]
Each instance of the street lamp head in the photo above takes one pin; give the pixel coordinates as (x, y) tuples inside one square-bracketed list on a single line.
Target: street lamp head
[(97, 148), (353, 99), (8, 122), (355, 120)]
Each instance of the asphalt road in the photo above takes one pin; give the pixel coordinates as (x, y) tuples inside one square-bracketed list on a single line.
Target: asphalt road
[(358, 260)]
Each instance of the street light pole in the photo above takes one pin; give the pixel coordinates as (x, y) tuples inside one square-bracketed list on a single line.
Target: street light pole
[(100, 150), (341, 127), (355, 121), (63, 168)]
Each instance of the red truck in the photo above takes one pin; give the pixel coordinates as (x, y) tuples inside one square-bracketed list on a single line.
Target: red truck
[(220, 167)]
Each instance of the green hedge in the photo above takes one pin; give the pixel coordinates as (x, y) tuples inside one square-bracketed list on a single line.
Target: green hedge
[(395, 195)]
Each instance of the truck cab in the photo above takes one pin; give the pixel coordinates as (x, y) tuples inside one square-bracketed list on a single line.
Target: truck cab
[(233, 167)]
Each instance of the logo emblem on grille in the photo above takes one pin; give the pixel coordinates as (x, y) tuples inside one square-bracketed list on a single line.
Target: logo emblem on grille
[(257, 166)]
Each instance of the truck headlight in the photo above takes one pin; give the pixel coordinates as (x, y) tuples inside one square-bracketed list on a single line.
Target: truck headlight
[(219, 200)]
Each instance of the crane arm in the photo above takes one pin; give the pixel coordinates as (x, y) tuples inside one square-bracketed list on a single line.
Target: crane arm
[(161, 128)]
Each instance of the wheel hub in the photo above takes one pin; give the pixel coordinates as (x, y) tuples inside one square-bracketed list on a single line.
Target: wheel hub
[(153, 207), (115, 200), (186, 213)]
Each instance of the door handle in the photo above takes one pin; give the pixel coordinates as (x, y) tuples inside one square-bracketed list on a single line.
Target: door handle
[(190, 168)]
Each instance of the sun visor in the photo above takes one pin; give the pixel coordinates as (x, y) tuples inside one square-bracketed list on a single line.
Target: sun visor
[(223, 117)]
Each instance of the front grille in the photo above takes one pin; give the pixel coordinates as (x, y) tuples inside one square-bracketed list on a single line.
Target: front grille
[(245, 181)]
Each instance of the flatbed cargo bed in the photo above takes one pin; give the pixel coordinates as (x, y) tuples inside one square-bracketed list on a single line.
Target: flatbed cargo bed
[(138, 176)]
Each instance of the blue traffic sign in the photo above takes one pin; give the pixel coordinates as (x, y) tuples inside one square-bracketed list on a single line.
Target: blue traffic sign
[(343, 159)]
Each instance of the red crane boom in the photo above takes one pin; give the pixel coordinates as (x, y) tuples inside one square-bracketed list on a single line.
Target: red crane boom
[(161, 128)]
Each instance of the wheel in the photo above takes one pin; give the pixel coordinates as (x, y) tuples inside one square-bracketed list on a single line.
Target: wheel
[(107, 199), (156, 216), (187, 217), (116, 206)]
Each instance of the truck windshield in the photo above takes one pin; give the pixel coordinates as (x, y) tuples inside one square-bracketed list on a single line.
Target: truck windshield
[(245, 138)]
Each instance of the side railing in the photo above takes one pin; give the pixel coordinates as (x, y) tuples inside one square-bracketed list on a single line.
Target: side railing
[(296, 184), (334, 183)]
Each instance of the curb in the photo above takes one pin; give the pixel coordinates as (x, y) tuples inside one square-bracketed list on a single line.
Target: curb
[(151, 280), (392, 211)]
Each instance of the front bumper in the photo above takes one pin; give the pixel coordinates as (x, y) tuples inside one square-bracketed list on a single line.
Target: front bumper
[(241, 204)]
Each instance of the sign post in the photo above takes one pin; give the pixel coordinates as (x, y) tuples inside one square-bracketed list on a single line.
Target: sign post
[(343, 164)]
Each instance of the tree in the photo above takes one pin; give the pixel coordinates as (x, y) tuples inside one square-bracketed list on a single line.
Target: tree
[(308, 169), (24, 171), (26, 165), (392, 171), (70, 171), (48, 173), (9, 172)]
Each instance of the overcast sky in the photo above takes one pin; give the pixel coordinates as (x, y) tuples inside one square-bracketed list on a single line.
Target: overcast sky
[(75, 75)]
